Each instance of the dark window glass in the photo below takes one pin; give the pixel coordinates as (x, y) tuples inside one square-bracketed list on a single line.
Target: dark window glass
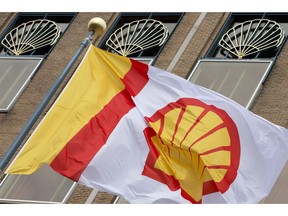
[(170, 20), (62, 19), (236, 18)]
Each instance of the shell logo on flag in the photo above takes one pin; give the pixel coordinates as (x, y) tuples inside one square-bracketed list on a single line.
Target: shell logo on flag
[(194, 147)]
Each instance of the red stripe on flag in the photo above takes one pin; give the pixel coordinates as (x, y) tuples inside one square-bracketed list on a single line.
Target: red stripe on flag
[(80, 150), (137, 77)]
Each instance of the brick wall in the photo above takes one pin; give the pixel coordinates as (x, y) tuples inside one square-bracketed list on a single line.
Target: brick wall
[(271, 103)]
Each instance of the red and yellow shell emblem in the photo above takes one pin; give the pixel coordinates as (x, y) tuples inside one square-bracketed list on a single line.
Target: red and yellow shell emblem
[(194, 147)]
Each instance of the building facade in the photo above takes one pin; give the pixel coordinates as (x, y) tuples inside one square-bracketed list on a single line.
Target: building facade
[(206, 48)]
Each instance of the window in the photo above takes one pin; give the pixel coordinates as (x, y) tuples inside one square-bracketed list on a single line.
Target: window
[(43, 186), (61, 19), (170, 20), (240, 80), (238, 18), (16, 66), (15, 74)]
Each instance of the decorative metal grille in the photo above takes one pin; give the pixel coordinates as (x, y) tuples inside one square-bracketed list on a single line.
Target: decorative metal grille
[(31, 36), (251, 37), (137, 36)]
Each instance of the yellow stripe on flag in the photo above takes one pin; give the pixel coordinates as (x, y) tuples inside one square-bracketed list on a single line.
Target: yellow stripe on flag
[(85, 95)]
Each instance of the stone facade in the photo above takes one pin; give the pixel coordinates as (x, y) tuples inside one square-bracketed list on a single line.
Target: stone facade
[(271, 103)]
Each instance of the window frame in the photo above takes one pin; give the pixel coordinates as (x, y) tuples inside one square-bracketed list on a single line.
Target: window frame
[(18, 16), (25, 83), (12, 25), (149, 15), (5, 178), (260, 83), (227, 25)]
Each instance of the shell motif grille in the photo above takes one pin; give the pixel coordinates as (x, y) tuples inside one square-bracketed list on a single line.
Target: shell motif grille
[(251, 37), (31, 35), (137, 36)]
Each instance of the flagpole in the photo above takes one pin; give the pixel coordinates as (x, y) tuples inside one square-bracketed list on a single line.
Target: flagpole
[(95, 26)]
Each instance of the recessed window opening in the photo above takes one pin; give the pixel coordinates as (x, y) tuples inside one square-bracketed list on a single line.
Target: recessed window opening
[(259, 32), (170, 20), (239, 80), (61, 19)]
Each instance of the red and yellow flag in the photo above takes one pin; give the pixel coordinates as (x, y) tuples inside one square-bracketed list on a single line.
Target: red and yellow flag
[(134, 130), (86, 112)]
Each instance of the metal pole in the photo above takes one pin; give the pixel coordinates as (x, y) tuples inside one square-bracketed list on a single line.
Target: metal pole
[(25, 130)]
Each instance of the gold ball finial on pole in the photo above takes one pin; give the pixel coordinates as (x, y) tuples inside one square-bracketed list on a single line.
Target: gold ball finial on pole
[(97, 25)]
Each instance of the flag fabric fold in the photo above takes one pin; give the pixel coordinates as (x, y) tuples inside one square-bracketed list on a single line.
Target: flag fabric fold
[(149, 136)]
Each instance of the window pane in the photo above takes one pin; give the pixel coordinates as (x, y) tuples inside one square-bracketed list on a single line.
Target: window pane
[(61, 19), (239, 80), (170, 20), (239, 18), (44, 185), (15, 73), (147, 61)]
